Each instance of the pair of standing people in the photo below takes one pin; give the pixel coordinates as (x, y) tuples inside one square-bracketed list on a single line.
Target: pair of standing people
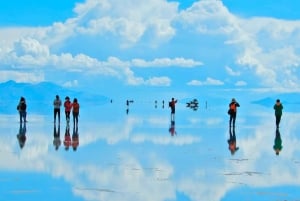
[(68, 105)]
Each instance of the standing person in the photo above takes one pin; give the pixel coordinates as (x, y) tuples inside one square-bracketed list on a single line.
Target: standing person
[(172, 104), (75, 111), (22, 109), (278, 112), (57, 104), (68, 107), (232, 111)]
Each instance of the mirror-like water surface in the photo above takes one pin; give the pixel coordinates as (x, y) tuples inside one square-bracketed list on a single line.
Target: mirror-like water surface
[(138, 153)]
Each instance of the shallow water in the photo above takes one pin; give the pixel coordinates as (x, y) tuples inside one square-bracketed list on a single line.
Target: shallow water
[(132, 155)]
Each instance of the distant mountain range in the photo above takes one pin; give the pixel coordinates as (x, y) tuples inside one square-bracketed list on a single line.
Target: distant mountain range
[(39, 97)]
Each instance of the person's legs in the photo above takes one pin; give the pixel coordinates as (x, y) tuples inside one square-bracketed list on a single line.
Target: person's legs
[(58, 112), (278, 118)]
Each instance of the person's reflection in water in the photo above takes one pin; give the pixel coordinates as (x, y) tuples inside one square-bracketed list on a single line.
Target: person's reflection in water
[(277, 142), (56, 137), (75, 138), (21, 136), (232, 141), (172, 128), (67, 140)]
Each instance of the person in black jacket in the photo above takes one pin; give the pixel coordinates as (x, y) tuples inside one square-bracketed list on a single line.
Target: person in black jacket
[(232, 111)]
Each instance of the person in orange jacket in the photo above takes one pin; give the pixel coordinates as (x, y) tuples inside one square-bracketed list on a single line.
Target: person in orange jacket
[(75, 111), (68, 107)]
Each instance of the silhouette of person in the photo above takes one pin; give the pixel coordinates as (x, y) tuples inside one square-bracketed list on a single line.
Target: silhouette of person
[(278, 112), (75, 111), (56, 137), (22, 107), (57, 104), (21, 136), (232, 111), (172, 104), (232, 141), (277, 142), (68, 107), (67, 139), (172, 128), (75, 138)]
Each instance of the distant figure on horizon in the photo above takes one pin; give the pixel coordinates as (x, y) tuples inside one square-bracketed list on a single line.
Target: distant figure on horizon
[(172, 104), (232, 111), (278, 112), (75, 111), (56, 137), (232, 141), (68, 107), (277, 142), (22, 107), (57, 104)]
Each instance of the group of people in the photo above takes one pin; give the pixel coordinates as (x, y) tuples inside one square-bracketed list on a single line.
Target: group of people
[(232, 111), (57, 103), (69, 141), (69, 106)]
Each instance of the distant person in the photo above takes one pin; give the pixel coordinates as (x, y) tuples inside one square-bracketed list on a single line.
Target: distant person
[(232, 111), (232, 141), (75, 111), (277, 142), (172, 104), (56, 137), (21, 136), (22, 107), (68, 107), (57, 104), (278, 112)]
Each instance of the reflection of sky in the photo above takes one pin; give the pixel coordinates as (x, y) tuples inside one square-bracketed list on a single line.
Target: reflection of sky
[(134, 157)]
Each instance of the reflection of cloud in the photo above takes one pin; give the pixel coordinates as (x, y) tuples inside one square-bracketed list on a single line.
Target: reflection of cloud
[(181, 139)]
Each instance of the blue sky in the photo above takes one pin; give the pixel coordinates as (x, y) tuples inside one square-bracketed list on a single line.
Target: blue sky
[(154, 43)]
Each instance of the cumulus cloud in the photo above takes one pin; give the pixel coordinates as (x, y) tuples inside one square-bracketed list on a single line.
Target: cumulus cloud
[(166, 62), (231, 72), (208, 81)]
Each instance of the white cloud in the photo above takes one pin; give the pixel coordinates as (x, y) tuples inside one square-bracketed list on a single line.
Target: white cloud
[(231, 72), (240, 83), (166, 62), (208, 81), (159, 81), (21, 76)]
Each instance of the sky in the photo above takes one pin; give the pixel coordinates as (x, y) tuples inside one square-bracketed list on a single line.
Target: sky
[(174, 45)]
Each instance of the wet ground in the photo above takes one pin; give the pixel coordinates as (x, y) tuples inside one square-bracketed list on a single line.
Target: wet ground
[(139, 154)]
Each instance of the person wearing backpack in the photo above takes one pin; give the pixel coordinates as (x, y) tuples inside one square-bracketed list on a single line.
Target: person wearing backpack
[(22, 109), (232, 111), (278, 112)]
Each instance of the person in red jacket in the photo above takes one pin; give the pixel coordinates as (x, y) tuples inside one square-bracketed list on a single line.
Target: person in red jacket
[(75, 111), (68, 107), (172, 106), (67, 140)]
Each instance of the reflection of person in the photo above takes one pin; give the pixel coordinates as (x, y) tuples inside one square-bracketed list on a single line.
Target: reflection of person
[(21, 136), (56, 135), (57, 104), (75, 111), (22, 109), (172, 104), (232, 141), (68, 107), (277, 142), (75, 138), (172, 128), (67, 140), (278, 112), (232, 111)]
